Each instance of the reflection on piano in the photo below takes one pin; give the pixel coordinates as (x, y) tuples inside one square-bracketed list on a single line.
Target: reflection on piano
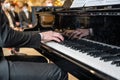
[(95, 58)]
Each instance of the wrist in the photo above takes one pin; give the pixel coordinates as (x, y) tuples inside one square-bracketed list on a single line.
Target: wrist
[(42, 37), (91, 32)]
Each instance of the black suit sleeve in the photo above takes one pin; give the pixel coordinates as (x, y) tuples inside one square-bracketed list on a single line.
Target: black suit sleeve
[(11, 38)]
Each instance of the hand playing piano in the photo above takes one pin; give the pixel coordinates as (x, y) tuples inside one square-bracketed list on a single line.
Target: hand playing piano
[(51, 35), (78, 33), (68, 32)]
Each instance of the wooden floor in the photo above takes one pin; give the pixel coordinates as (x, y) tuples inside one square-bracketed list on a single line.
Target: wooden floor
[(31, 51)]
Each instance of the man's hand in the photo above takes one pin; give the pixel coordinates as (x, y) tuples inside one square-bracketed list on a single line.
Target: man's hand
[(78, 33), (50, 35), (68, 32), (17, 23), (30, 26)]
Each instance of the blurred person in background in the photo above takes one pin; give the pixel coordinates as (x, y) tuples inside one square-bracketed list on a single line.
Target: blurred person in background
[(47, 3), (9, 9), (16, 22), (15, 17), (25, 17)]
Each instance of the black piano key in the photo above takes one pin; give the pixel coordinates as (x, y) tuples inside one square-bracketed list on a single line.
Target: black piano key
[(86, 49), (117, 63), (98, 54), (110, 58), (102, 54), (100, 47), (112, 51), (92, 52), (78, 47)]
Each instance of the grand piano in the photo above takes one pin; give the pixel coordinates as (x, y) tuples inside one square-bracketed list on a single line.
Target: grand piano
[(89, 58)]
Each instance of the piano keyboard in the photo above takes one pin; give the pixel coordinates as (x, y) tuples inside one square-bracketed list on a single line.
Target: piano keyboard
[(102, 57)]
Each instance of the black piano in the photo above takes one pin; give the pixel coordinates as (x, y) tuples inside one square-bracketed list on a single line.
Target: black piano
[(89, 58)]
